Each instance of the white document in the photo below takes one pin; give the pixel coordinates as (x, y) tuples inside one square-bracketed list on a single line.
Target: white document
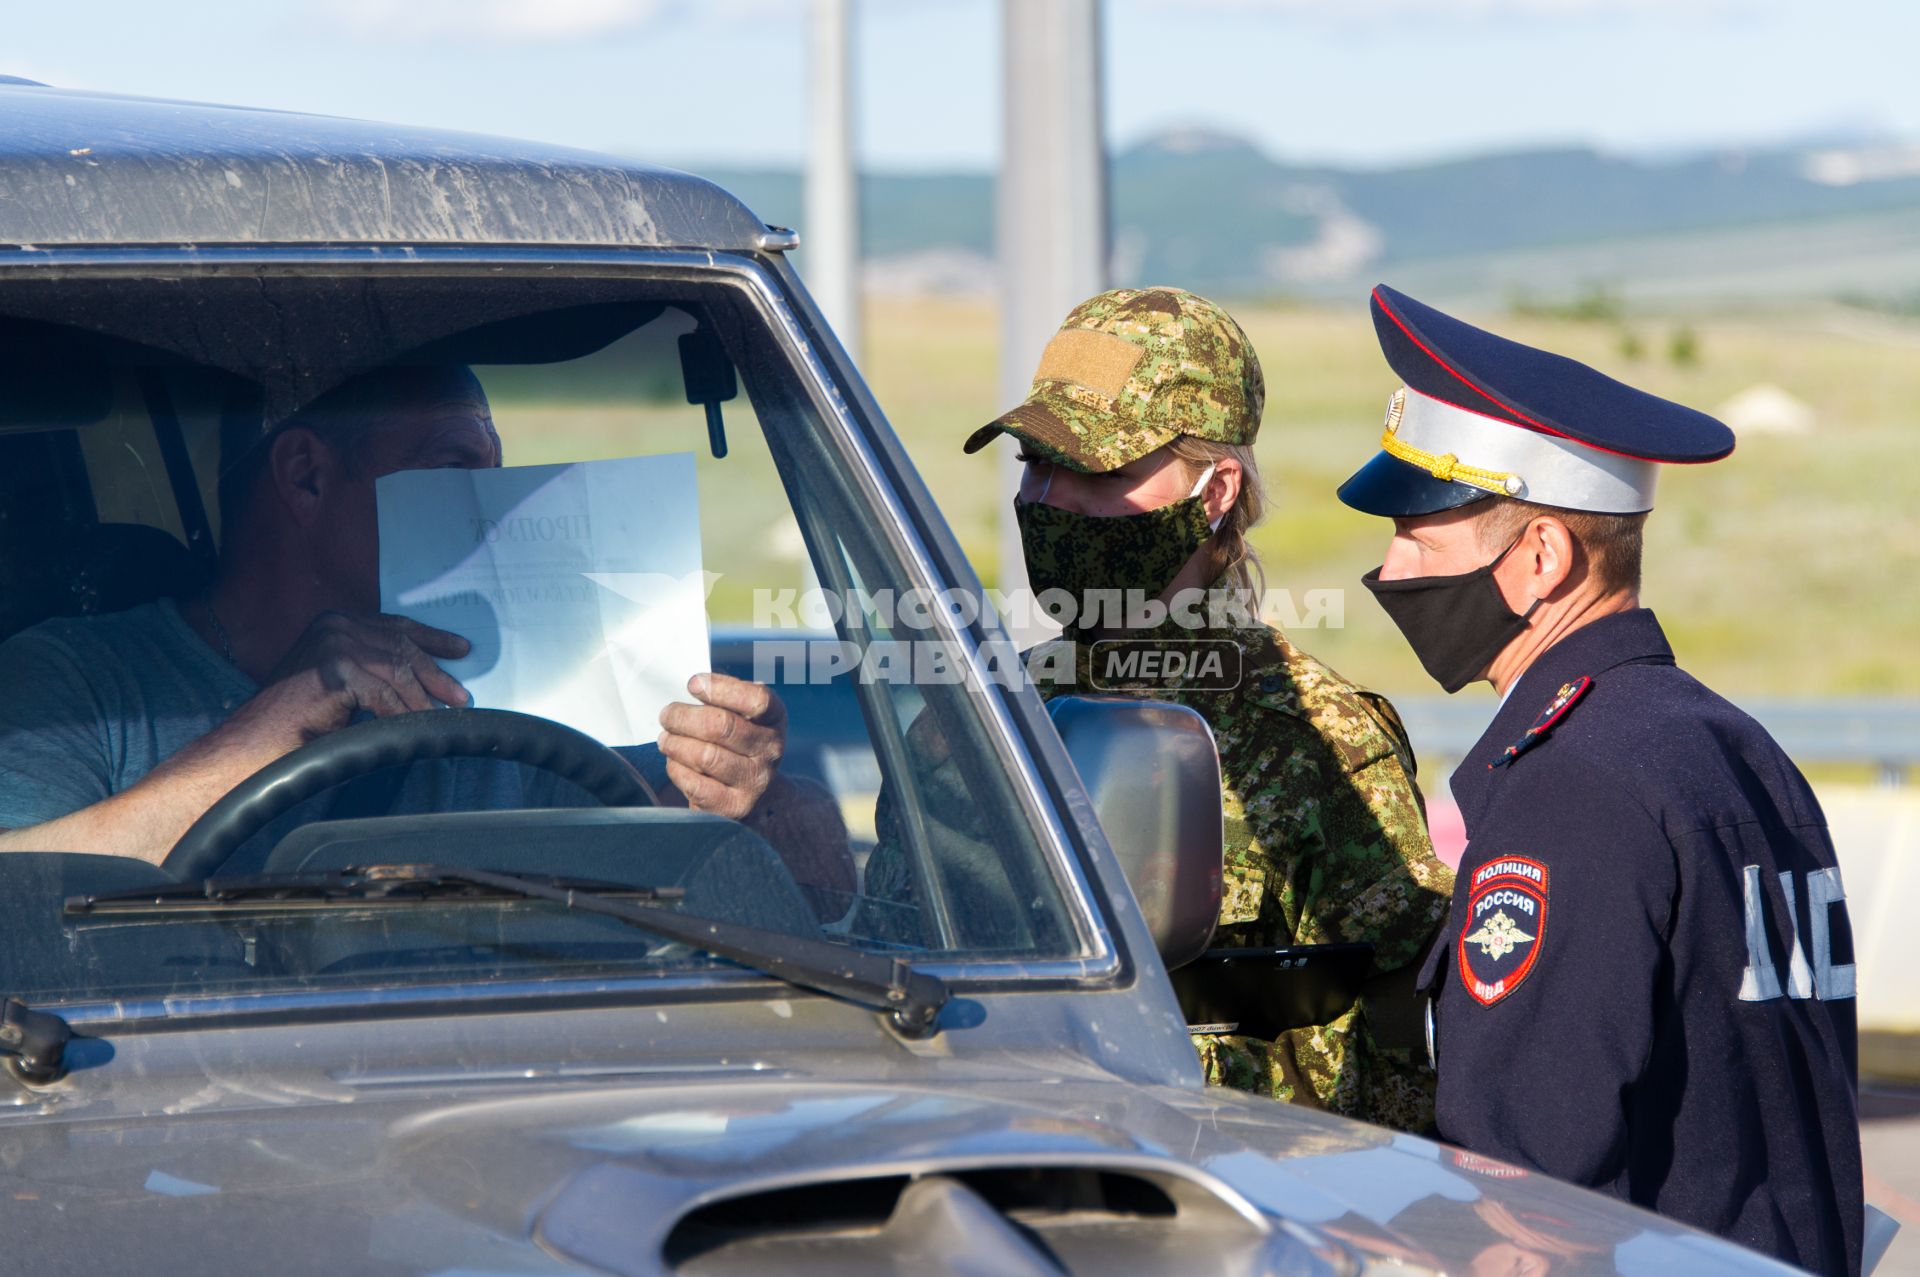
[(579, 586)]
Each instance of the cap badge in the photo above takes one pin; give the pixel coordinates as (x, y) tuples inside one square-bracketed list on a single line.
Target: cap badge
[(1396, 409)]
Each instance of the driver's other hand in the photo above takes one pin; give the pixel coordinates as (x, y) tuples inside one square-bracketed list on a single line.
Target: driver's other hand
[(723, 753), (346, 663)]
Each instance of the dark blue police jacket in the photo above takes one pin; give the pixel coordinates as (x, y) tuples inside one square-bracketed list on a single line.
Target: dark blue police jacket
[(1646, 984)]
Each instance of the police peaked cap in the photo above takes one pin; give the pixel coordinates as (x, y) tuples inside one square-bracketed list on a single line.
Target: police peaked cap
[(1482, 416)]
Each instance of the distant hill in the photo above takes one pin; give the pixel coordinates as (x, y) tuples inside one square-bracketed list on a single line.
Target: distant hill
[(1216, 213)]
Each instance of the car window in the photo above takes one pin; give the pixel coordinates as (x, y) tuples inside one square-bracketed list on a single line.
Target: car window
[(119, 450)]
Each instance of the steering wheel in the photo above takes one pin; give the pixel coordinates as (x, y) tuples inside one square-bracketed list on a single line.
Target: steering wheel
[(391, 742)]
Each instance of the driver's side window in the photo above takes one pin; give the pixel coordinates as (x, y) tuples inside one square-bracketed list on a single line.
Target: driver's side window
[(807, 597)]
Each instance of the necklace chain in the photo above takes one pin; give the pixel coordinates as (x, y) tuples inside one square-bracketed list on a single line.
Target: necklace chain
[(219, 630)]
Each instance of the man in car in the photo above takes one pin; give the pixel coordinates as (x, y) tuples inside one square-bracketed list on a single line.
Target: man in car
[(117, 732)]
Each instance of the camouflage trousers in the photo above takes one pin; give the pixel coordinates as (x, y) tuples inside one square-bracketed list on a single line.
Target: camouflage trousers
[(1333, 1066)]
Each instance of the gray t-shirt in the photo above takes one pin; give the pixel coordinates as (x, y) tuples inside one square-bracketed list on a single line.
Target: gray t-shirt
[(90, 705)]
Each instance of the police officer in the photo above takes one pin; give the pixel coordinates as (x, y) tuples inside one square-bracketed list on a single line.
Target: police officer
[(1646, 981)]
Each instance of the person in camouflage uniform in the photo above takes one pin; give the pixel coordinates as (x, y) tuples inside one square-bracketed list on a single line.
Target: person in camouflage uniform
[(1326, 841)]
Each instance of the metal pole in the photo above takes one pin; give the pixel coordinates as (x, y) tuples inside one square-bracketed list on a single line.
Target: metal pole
[(830, 239), (1052, 213)]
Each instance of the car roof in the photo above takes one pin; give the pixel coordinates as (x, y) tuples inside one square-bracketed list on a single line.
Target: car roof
[(104, 169)]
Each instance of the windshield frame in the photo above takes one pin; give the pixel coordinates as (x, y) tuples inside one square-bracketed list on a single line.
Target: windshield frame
[(855, 431)]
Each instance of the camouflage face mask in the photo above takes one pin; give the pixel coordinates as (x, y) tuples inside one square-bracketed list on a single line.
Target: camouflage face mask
[(1080, 553)]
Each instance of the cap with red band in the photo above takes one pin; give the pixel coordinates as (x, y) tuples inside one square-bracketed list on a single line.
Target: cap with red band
[(1483, 416)]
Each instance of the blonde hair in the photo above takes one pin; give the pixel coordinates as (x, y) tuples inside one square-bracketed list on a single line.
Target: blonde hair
[(1238, 564)]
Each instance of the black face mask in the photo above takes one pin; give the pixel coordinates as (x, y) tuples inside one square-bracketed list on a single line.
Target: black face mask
[(1456, 625)]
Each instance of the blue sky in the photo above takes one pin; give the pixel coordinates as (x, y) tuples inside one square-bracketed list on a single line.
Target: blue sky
[(721, 82)]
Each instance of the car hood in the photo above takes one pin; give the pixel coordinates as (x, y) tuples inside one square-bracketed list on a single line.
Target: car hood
[(1009, 1174)]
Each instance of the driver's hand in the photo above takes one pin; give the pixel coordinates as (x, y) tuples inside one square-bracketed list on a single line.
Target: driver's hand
[(345, 663), (723, 753)]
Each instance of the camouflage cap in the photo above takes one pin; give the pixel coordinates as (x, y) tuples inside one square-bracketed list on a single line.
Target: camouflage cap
[(1130, 371)]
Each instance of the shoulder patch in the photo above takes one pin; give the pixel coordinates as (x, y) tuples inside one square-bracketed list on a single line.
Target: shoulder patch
[(1555, 711), (1506, 926)]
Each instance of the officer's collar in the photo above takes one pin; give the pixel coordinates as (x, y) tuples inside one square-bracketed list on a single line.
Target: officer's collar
[(1632, 635), (1591, 650)]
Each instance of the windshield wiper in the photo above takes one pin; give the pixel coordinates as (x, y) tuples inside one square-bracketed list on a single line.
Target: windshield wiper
[(911, 1000), (372, 885)]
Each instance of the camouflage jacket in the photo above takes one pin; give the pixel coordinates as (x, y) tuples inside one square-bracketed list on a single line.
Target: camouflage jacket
[(1326, 843)]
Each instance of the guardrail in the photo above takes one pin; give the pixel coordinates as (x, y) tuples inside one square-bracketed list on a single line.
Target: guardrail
[(1884, 734)]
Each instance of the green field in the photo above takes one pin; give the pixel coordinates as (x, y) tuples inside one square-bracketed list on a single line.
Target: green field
[(1789, 568)]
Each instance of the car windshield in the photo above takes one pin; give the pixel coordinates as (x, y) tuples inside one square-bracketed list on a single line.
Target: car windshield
[(214, 483)]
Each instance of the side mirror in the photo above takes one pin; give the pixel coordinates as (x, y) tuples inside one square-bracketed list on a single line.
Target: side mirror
[(1153, 773)]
